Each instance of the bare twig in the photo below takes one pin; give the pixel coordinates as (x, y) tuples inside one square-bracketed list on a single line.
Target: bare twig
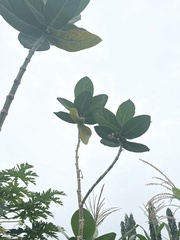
[(17, 81)]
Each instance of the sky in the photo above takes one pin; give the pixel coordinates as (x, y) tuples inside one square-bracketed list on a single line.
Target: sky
[(138, 59)]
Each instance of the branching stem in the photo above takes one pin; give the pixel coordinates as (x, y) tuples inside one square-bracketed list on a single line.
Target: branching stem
[(17, 81), (102, 176), (78, 175)]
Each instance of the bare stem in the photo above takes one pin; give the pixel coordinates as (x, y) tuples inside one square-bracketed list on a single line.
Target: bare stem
[(102, 176), (78, 175), (17, 81)]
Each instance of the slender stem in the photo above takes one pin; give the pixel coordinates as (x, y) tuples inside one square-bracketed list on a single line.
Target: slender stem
[(102, 176), (17, 81), (78, 175)]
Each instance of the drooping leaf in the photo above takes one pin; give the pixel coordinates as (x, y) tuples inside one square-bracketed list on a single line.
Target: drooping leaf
[(89, 224), (73, 39), (65, 117), (125, 112), (75, 115), (82, 102), (135, 147), (84, 85), (85, 133), (107, 236), (66, 103), (28, 41), (58, 13), (106, 118), (98, 101), (18, 15), (109, 144), (136, 126)]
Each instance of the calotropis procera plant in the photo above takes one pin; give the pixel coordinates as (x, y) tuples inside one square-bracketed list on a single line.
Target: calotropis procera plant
[(115, 131), (42, 23)]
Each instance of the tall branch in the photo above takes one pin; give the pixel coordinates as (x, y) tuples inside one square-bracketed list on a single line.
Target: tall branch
[(17, 81)]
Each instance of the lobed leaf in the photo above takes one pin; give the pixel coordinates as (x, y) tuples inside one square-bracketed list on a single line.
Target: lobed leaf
[(136, 126)]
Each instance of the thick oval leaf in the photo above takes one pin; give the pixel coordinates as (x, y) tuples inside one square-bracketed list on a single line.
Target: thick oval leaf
[(109, 144), (17, 14), (107, 236), (89, 224), (98, 101), (84, 85), (66, 103), (135, 147), (82, 102), (82, 6), (58, 13), (136, 126), (65, 117), (28, 42), (73, 39), (104, 132), (125, 112), (85, 133), (75, 116), (106, 118), (89, 119)]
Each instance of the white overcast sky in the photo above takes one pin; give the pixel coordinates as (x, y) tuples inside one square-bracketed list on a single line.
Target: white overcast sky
[(139, 58)]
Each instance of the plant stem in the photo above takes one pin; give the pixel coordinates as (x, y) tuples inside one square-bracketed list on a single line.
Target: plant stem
[(17, 81), (102, 176), (78, 175)]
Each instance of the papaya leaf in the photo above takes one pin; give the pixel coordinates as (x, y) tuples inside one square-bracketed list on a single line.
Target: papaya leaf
[(72, 39), (82, 102), (135, 147), (85, 133), (17, 14), (125, 112), (65, 117), (107, 236), (109, 143), (75, 116), (136, 126), (29, 40), (58, 13), (84, 85), (66, 103), (106, 118), (98, 101), (89, 224), (104, 132)]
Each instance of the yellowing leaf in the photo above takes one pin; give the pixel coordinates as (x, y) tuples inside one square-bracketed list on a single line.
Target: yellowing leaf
[(85, 133), (75, 116)]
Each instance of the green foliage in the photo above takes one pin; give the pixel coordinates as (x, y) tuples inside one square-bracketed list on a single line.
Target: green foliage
[(28, 209), (52, 19), (128, 227), (172, 224), (116, 129)]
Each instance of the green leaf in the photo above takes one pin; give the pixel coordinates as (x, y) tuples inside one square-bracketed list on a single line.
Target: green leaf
[(125, 112), (66, 103), (98, 101), (89, 118), (29, 40), (141, 237), (109, 144), (75, 116), (136, 126), (82, 102), (73, 39), (82, 6), (107, 236), (89, 224), (65, 117), (104, 132), (176, 193), (135, 147), (60, 12), (106, 118), (18, 15), (85, 133), (84, 85)]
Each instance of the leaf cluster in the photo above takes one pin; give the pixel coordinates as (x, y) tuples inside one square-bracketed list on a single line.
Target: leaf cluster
[(114, 129), (52, 19), (20, 205)]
